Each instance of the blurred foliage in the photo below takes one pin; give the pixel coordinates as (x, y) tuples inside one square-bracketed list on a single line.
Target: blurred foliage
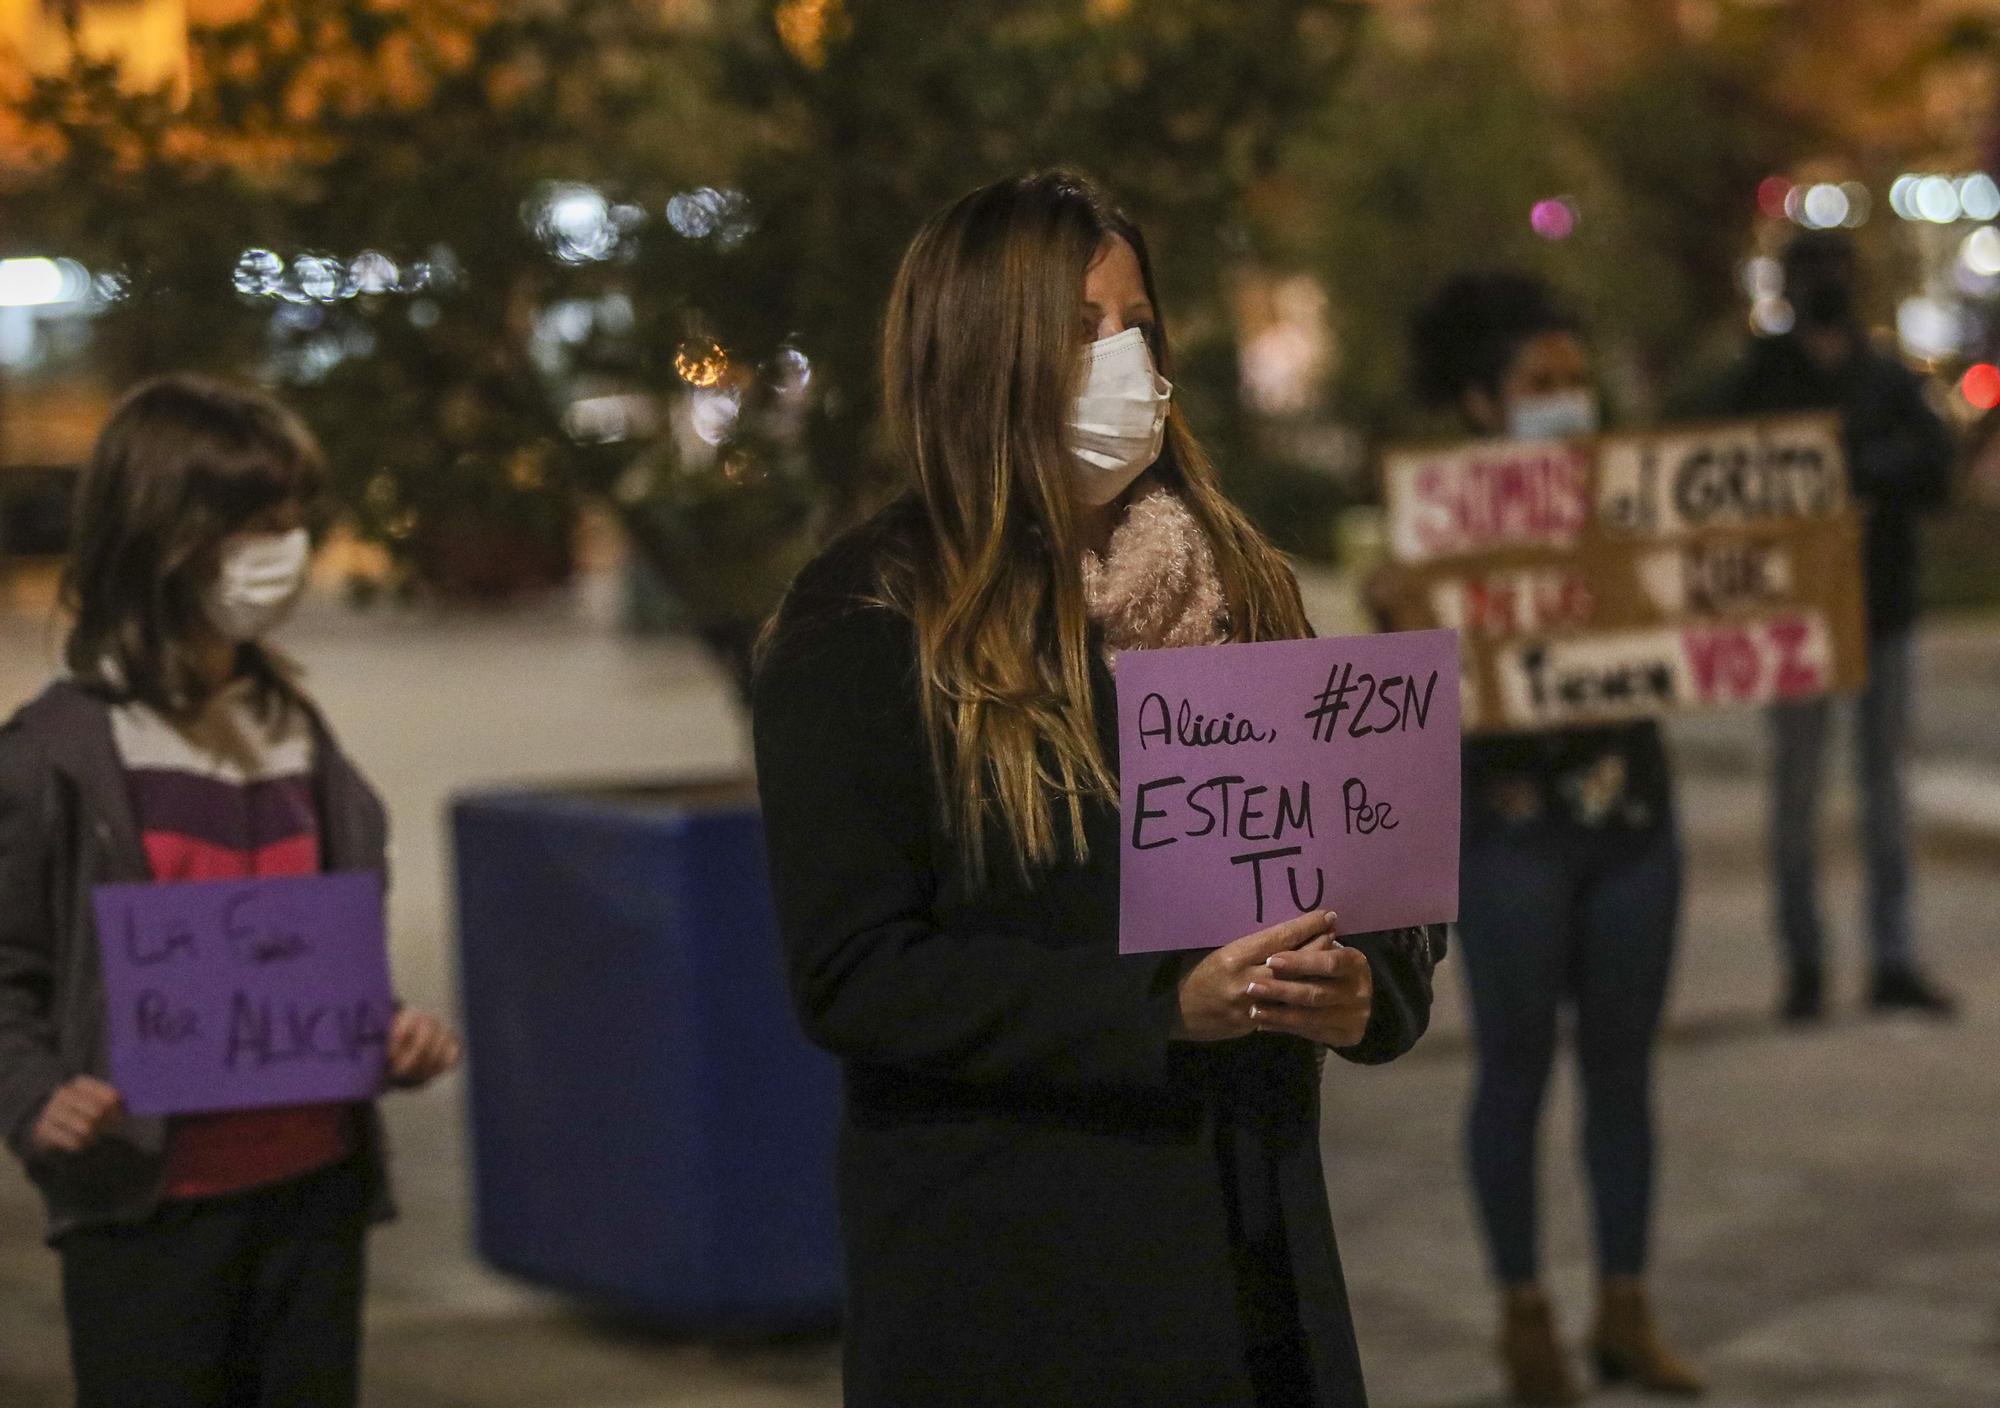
[(740, 178), (380, 157), (861, 122), (1681, 145), (812, 137), (1429, 160)]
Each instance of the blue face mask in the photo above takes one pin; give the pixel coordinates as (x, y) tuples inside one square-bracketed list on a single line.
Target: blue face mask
[(1564, 415)]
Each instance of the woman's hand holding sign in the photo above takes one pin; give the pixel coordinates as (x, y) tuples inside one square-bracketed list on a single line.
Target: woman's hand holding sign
[(1322, 992), (1292, 977)]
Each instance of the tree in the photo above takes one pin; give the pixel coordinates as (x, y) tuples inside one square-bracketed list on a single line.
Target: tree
[(1428, 162), (442, 224), (1436, 157), (338, 208)]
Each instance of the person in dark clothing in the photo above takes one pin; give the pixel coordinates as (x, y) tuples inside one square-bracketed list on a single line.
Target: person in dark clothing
[(1899, 455), (1569, 897), (1068, 1176)]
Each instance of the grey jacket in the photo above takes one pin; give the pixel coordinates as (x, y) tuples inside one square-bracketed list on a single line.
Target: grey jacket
[(67, 826)]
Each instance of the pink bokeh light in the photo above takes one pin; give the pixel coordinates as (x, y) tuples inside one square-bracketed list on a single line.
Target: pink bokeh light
[(1553, 219)]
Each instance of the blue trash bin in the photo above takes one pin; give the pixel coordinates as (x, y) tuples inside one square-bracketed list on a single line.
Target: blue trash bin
[(650, 1129)]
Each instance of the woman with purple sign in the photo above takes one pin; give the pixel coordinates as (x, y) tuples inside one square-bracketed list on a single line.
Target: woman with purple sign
[(1569, 898), (1069, 1176), (179, 779)]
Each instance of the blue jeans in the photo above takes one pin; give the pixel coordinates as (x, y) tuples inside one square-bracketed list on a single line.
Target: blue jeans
[(1555, 914), (1799, 733)]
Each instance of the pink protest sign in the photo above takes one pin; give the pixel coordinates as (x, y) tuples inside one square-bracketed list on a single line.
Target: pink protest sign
[(237, 994), (1260, 782)]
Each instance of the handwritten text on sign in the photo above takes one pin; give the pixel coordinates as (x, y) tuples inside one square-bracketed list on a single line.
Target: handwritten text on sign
[(1261, 782), (237, 994), (1632, 575)]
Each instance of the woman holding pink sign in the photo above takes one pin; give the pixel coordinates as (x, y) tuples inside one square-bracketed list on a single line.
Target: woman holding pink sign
[(208, 1258), (1069, 1176)]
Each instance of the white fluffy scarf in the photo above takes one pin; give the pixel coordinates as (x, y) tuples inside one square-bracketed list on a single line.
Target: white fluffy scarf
[(1156, 586)]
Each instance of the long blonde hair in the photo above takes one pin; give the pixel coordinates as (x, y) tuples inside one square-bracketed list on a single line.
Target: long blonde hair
[(980, 362)]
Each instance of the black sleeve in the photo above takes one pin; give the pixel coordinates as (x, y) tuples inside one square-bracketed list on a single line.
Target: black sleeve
[(1725, 392), (844, 775), (30, 1069), (1907, 466), (1400, 960)]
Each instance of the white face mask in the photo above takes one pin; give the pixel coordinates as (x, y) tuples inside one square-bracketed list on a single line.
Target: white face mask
[(1119, 420), (1565, 415), (259, 581)]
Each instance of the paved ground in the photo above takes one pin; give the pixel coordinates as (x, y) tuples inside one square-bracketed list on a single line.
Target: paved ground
[(1831, 1210)]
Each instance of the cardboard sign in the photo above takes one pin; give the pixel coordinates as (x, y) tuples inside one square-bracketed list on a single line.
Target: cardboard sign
[(1262, 782), (1633, 575), (238, 994)]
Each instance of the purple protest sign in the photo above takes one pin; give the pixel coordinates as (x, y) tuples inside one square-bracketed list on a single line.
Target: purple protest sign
[(237, 994), (1260, 782)]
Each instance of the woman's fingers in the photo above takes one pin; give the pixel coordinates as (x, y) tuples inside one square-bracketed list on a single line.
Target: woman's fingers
[(1268, 992), (1331, 962), (1325, 1026), (1253, 949)]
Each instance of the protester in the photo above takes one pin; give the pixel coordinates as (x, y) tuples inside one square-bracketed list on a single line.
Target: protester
[(1569, 898), (217, 1259), (1069, 1177), (1899, 456)]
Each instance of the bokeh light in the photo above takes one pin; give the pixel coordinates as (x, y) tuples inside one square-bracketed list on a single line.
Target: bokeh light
[(1825, 207), (1771, 193), (1772, 316), (1929, 328), (807, 27), (1981, 386), (701, 361), (1554, 218), (260, 273), (1981, 252), (36, 282), (1860, 205), (319, 278), (713, 414), (373, 272), (578, 224), (1979, 197), (1763, 277), (1828, 205), (791, 372), (1936, 200), (1902, 196), (708, 213)]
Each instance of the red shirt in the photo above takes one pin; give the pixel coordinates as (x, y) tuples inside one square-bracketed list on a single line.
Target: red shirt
[(230, 797)]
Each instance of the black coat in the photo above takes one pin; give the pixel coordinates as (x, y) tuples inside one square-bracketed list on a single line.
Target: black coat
[(1899, 451), (1046, 1201)]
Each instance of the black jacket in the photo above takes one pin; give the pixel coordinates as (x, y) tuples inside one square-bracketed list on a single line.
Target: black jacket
[(66, 827), (1045, 1199), (1899, 451)]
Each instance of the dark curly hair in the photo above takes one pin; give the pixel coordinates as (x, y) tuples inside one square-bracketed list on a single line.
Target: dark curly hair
[(1465, 335)]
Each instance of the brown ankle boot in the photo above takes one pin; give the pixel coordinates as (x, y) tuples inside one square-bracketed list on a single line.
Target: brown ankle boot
[(1536, 1370), (1628, 1346)]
